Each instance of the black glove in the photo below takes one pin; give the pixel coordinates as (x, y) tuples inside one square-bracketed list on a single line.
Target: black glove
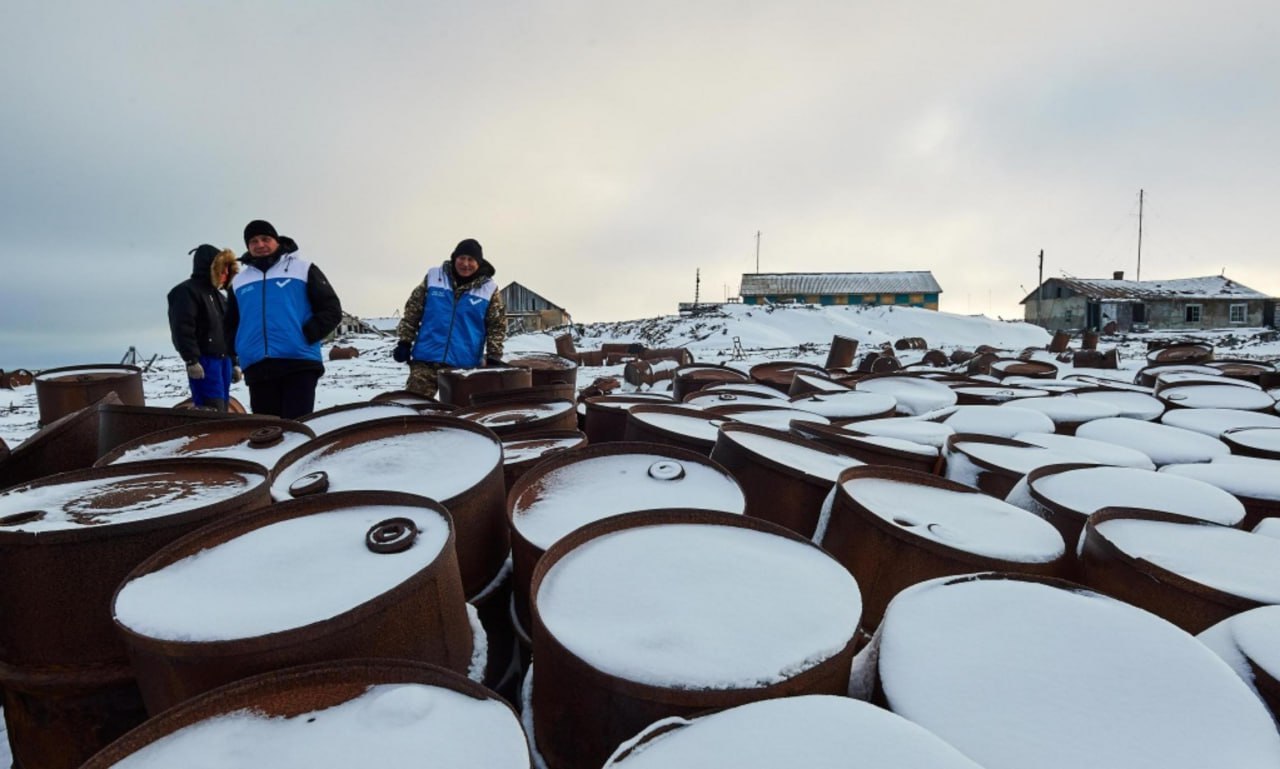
[(494, 360), (402, 352)]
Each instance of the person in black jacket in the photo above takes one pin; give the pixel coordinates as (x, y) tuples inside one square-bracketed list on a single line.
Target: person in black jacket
[(279, 309), (196, 314)]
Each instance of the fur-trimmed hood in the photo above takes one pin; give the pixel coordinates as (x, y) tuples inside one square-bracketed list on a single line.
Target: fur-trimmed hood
[(208, 264)]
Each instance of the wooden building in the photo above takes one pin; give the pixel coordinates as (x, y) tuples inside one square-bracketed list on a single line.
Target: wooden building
[(529, 311), (1117, 304), (904, 289)]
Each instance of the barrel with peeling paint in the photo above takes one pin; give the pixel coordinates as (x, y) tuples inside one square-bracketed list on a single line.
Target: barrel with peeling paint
[(523, 417), (66, 541), (384, 713), (369, 574), (572, 489), (546, 368), (453, 461), (605, 416), (796, 604), (119, 424), (261, 440), (689, 379), (60, 391), (457, 385)]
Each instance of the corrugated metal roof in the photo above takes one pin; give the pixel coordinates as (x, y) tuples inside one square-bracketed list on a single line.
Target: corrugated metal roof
[(1208, 287), (835, 283)]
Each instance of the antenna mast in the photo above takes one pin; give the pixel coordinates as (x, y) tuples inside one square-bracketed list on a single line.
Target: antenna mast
[(1040, 290), (697, 285), (1140, 201), (757, 252)]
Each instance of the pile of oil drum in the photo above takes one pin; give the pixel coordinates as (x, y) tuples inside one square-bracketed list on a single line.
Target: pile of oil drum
[(842, 562)]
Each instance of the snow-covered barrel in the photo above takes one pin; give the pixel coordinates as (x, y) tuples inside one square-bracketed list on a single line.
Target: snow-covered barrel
[(1000, 421), (785, 477), (1262, 442), (453, 461), (1256, 372), (815, 730), (995, 465), (261, 440), (1066, 494), (375, 713), (873, 449), (1032, 369), (968, 394), (1086, 450), (1131, 403), (842, 353), (1164, 444), (457, 385), (343, 575), (523, 452), (614, 653), (1153, 375), (694, 377), (1215, 422), (779, 373), (1017, 672), (807, 383), (60, 391), (1068, 412), (680, 426), (347, 414), (892, 528), (1187, 353), (605, 416), (536, 393), (119, 424), (1216, 396), (779, 416), (69, 443), (545, 368), (415, 400), (1255, 482), (573, 489), (912, 395), (847, 405), (1191, 572), (638, 372), (1248, 642), (66, 541), (513, 418)]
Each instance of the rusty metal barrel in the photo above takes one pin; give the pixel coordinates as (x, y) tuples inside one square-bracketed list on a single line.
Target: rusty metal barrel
[(1191, 572), (842, 353), (1193, 353), (546, 368), (1255, 482), (680, 426), (689, 379), (805, 383), (453, 461), (457, 385), (893, 528), (69, 443), (786, 478), (369, 574), (520, 453), (874, 449), (572, 489), (1032, 369), (12, 380), (1262, 442), (1257, 372), (605, 416), (66, 541), (587, 696), (60, 391), (524, 417), (640, 372), (778, 374), (1060, 342), (261, 440), (419, 402), (347, 414), (1205, 395), (385, 713), (993, 394), (993, 464), (119, 424), (536, 393), (847, 406)]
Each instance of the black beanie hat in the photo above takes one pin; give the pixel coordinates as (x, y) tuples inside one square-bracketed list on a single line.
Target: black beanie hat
[(469, 247), (258, 227)]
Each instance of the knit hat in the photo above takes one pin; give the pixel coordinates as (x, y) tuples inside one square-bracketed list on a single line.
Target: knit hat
[(469, 247), (258, 227)]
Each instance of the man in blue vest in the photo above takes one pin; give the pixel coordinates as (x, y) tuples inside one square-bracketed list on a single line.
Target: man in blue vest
[(454, 318), (278, 310)]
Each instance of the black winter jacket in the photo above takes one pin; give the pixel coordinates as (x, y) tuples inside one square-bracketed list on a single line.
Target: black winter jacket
[(197, 310)]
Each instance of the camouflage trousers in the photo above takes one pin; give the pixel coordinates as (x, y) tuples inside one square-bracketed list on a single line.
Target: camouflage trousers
[(423, 378)]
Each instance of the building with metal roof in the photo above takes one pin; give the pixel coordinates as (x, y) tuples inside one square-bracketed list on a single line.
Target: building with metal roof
[(530, 311), (1213, 301), (905, 289)]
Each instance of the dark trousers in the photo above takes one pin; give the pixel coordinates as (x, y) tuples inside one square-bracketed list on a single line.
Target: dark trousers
[(289, 396), (214, 391)]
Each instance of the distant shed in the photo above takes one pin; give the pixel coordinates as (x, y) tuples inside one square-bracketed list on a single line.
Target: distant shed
[(1213, 301), (905, 289), (530, 311)]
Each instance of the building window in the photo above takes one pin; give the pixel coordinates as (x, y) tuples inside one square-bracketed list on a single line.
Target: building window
[(1191, 313), (1139, 313), (1239, 313), (902, 299)]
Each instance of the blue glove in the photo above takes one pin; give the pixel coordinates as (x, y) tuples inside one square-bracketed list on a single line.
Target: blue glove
[(402, 352)]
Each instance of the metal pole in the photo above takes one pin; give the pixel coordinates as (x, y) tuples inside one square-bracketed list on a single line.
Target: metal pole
[(1140, 202), (1040, 290), (757, 252)]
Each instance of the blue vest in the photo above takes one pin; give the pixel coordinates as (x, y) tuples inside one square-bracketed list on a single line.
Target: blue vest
[(273, 307), (453, 332)]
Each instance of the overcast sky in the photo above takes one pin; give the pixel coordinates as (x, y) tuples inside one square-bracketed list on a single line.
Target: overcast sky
[(603, 152)]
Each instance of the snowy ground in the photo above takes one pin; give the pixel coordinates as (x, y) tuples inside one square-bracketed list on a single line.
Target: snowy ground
[(801, 333)]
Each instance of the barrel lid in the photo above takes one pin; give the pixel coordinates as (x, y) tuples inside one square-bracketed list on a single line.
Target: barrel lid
[(546, 361), (105, 498), (438, 457), (506, 415), (1108, 665), (969, 454), (1216, 421), (90, 373), (1084, 490), (914, 395), (284, 572), (1221, 396), (711, 580), (252, 439), (1089, 450), (1264, 440), (1225, 559), (562, 495), (1069, 409), (1024, 368), (798, 455), (384, 713), (915, 430), (1251, 479), (952, 515), (767, 415), (681, 421), (820, 382), (707, 397), (996, 394), (825, 729), (849, 404), (1000, 421), (1246, 640), (1164, 444), (626, 401), (535, 446), (334, 417), (751, 388), (1132, 404)]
